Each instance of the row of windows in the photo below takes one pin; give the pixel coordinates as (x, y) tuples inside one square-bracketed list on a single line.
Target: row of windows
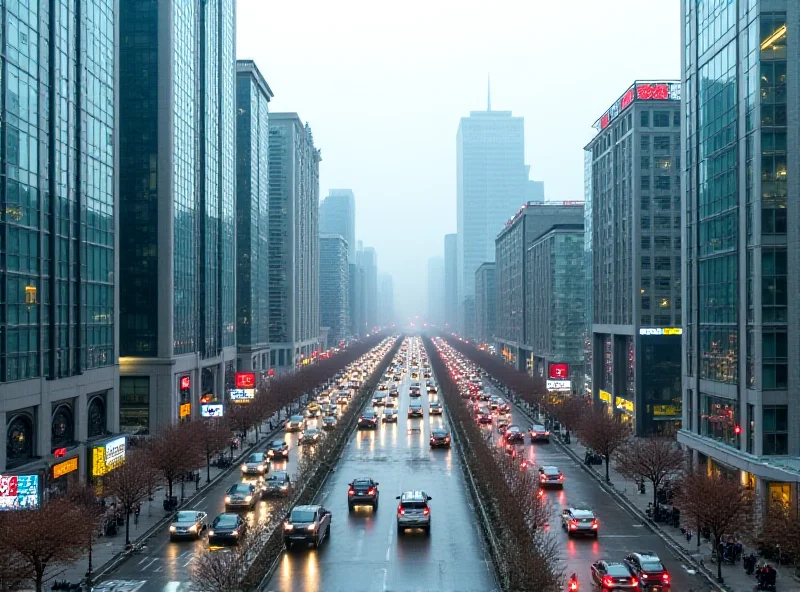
[(661, 118)]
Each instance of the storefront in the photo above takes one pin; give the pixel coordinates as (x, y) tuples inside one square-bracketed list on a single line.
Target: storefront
[(105, 457), (63, 474), (626, 410), (605, 399)]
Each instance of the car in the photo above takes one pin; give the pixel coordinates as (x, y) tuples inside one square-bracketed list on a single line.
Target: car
[(310, 436), (368, 420), (513, 435), (306, 524), (550, 476), (394, 392), (414, 391), (188, 524), (440, 438), (538, 433), (296, 423), (378, 400), (502, 423), (434, 408), (363, 492), (277, 450), (276, 483), (484, 415), (579, 521), (324, 399), (329, 422), (504, 407), (256, 463), (330, 410), (390, 403), (389, 415), (227, 528), (650, 571), (241, 495), (398, 377), (613, 575), (433, 389), (426, 374), (383, 386), (313, 410), (415, 410), (343, 397), (413, 511)]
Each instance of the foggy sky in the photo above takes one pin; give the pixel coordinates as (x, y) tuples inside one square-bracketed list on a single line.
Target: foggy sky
[(383, 86)]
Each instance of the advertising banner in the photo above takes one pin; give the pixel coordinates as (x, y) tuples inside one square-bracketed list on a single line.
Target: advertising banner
[(242, 395), (185, 410), (65, 468), (211, 410), (245, 380), (559, 371), (19, 492), (108, 457), (559, 385)]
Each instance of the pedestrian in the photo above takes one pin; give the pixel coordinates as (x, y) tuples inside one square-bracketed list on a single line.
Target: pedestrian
[(136, 512), (197, 479)]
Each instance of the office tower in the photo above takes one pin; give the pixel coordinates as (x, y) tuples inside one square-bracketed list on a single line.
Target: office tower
[(492, 184), (512, 244), (741, 172), (485, 303), (334, 281), (587, 270), (451, 283), (435, 314), (294, 241), (178, 204), (59, 340), (368, 259), (337, 215), (636, 221), (356, 299), (385, 300), (555, 309), (534, 190), (252, 213)]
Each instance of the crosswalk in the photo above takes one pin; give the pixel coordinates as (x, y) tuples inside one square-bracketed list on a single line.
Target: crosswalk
[(142, 586)]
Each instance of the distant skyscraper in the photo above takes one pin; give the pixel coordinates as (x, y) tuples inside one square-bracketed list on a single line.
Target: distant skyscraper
[(252, 214), (492, 185), (337, 215), (334, 281), (294, 240), (356, 299), (485, 303), (178, 207), (436, 291), (534, 190), (451, 282), (385, 300), (369, 261)]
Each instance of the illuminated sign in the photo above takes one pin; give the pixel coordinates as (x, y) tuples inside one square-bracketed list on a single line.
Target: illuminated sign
[(245, 380), (19, 492), (108, 457), (60, 452), (559, 385), (661, 331), (185, 410), (64, 468), (605, 396), (186, 383), (243, 395), (559, 371), (624, 404), (211, 410), (271, 372), (668, 410), (640, 91)]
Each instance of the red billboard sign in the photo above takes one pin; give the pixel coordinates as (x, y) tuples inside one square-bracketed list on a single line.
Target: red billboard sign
[(271, 372), (559, 371), (245, 380), (186, 383)]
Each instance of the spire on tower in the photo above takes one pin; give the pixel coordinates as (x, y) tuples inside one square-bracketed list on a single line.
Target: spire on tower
[(489, 92)]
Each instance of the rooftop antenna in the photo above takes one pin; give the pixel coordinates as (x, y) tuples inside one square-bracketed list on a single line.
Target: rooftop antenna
[(489, 92)]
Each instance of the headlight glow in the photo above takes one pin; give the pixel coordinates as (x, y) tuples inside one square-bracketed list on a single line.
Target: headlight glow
[(193, 528), (244, 467), (172, 528), (260, 467), (210, 533), (235, 533), (248, 498), (312, 526), (287, 526), (227, 499)]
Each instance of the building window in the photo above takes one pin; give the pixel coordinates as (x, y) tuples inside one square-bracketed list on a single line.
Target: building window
[(645, 163), (774, 369), (718, 418), (62, 427), (661, 143), (645, 183), (96, 417), (134, 404), (661, 118), (19, 441), (644, 143), (676, 119), (645, 222), (644, 119), (663, 182), (776, 430)]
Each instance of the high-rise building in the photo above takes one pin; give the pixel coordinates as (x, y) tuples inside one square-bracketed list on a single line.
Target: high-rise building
[(368, 259), (636, 256), (59, 336), (512, 244), (492, 184), (555, 311), (356, 300), (252, 215), (294, 241), (435, 314), (337, 215), (740, 235), (385, 300), (334, 306), (178, 203), (485, 303), (451, 282), (587, 270), (534, 190)]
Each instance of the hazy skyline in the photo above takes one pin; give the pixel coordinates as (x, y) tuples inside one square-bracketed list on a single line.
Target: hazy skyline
[(384, 92)]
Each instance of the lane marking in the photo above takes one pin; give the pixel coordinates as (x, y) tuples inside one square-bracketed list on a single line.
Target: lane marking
[(388, 549), (200, 501)]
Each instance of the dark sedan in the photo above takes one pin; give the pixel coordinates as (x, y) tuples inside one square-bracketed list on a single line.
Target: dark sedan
[(440, 438), (368, 420), (613, 575), (226, 528), (277, 450), (277, 483), (513, 435)]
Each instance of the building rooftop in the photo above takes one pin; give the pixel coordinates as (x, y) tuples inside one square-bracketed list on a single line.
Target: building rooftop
[(640, 90)]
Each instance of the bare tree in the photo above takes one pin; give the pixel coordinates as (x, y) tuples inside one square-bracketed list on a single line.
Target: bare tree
[(219, 570), (781, 530), (241, 417), (650, 459), (571, 411), (84, 495), (213, 436), (130, 484), (603, 433), (716, 502), (14, 571), (173, 452)]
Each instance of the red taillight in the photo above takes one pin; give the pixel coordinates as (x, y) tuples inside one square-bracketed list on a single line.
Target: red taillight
[(573, 585), (400, 511), (573, 524), (524, 464), (426, 511), (542, 477), (371, 491), (351, 491), (595, 524), (608, 581), (634, 582), (560, 477), (665, 577)]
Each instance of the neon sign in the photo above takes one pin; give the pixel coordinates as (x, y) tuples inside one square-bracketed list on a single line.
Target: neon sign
[(640, 91)]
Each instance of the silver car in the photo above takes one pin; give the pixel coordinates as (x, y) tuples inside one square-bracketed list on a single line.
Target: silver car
[(296, 423), (413, 511), (255, 464)]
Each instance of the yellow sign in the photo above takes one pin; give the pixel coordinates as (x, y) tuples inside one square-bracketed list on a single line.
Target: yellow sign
[(624, 404), (605, 396), (666, 410), (65, 467), (107, 457), (185, 410)]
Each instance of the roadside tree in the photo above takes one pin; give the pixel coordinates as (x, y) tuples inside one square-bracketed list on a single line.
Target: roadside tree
[(213, 435), (603, 433), (130, 484), (173, 452), (650, 459)]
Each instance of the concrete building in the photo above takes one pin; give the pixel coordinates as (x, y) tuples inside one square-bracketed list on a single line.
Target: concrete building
[(587, 268), (368, 260), (337, 215), (334, 305), (356, 295), (512, 245), (386, 316), (451, 282), (178, 203), (485, 303), (294, 329), (252, 217), (741, 175), (636, 222), (555, 308), (435, 314), (58, 352)]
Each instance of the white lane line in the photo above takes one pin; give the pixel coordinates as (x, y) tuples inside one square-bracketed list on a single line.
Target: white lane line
[(151, 562), (388, 550), (200, 501), (385, 579)]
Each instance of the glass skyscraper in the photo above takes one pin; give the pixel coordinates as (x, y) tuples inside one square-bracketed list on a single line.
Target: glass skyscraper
[(177, 178), (334, 308), (451, 282), (337, 215), (59, 330)]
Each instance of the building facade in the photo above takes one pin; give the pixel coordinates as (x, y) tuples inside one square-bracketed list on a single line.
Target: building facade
[(293, 242), (252, 216), (59, 342), (386, 316), (356, 300), (337, 215), (485, 303), (451, 282), (512, 245), (178, 200), (741, 178), (368, 259), (636, 257), (334, 306), (555, 305)]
